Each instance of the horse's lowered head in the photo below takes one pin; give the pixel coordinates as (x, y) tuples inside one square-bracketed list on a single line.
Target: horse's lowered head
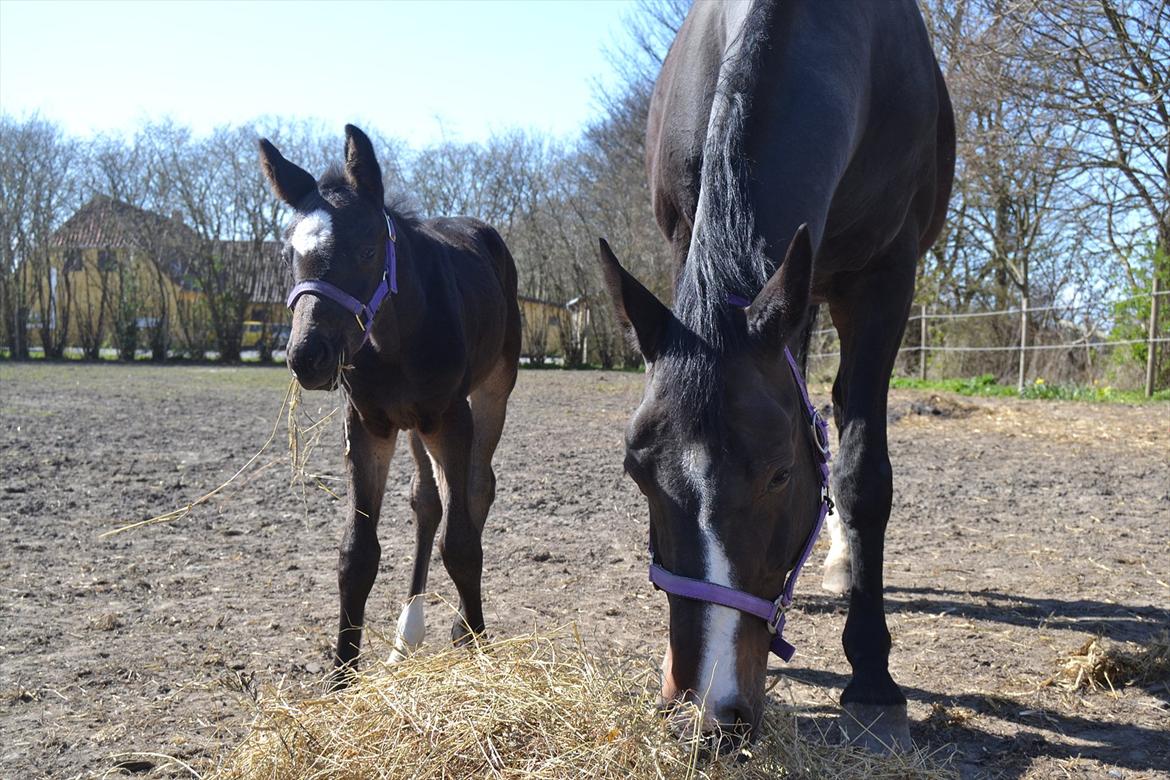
[(338, 243), (724, 450)]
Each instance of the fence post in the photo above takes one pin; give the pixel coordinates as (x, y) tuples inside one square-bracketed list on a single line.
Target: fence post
[(922, 345), (1151, 336), (1023, 342)]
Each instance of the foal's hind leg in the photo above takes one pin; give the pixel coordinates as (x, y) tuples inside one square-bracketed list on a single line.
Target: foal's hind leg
[(367, 459), (428, 512), (450, 448), (489, 407), (870, 316)]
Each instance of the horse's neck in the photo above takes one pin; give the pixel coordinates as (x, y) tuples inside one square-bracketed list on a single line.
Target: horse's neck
[(405, 320)]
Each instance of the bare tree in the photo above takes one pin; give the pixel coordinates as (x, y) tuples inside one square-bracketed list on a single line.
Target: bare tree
[(40, 173)]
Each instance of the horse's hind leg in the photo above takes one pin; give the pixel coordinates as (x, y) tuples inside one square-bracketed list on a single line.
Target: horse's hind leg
[(489, 406), (367, 459), (428, 512), (870, 316)]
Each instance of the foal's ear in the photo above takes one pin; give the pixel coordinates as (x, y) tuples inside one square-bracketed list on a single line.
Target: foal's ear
[(780, 307), (641, 314), (361, 165), (290, 182)]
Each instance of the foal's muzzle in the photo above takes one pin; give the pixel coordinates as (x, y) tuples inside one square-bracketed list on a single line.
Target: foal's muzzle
[(314, 362)]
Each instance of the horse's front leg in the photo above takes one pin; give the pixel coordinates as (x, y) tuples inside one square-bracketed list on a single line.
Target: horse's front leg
[(367, 461), (870, 321), (460, 545)]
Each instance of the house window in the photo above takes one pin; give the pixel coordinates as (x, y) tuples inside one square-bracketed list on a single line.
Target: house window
[(72, 260), (107, 260)]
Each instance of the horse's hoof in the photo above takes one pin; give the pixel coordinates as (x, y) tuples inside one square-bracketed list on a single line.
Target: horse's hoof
[(340, 678), (878, 728), (462, 636)]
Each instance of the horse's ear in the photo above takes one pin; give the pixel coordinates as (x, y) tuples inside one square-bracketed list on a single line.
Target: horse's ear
[(643, 316), (290, 182), (780, 307), (361, 165)]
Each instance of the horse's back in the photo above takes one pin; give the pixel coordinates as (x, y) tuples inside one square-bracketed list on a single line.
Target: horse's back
[(478, 270), (848, 122)]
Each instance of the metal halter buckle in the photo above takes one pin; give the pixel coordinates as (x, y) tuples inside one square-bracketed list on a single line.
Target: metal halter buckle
[(820, 432), (778, 615)]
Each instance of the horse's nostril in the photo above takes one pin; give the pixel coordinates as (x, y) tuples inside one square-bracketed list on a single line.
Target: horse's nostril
[(735, 719), (322, 358)]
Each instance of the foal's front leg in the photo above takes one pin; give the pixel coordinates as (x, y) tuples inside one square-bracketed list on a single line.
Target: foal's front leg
[(367, 461)]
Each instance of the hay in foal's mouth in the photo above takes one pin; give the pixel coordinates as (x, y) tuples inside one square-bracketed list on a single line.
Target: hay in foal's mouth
[(537, 706)]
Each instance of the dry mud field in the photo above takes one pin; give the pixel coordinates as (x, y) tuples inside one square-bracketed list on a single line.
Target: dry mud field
[(1020, 530)]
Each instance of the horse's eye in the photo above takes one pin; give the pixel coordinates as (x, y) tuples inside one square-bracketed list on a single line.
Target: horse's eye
[(368, 253), (778, 480)]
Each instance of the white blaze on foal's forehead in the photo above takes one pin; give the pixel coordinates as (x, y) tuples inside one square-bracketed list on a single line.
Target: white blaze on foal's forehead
[(313, 232)]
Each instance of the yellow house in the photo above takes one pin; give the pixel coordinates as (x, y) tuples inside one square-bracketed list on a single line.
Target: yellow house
[(116, 274), (547, 328)]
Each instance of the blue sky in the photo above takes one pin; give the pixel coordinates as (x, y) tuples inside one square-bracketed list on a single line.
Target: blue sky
[(420, 71)]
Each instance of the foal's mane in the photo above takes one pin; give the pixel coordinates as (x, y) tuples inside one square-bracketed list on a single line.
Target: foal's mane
[(399, 205), (726, 256)]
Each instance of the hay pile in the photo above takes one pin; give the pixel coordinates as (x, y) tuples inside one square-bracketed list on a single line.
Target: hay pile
[(531, 707), (1103, 665)]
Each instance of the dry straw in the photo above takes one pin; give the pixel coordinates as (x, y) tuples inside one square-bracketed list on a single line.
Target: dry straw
[(537, 706), (1103, 665)]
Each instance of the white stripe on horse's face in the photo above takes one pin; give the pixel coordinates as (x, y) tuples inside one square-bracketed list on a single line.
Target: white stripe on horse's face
[(717, 680), (313, 233)]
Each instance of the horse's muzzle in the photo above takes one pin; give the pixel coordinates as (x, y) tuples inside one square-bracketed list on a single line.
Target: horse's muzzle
[(314, 362)]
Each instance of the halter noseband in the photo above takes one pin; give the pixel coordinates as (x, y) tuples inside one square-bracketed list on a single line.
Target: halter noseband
[(774, 612), (363, 312)]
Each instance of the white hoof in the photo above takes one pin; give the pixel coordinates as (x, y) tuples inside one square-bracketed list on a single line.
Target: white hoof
[(411, 630), (838, 570)]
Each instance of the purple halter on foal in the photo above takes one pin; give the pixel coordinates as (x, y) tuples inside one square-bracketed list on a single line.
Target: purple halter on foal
[(363, 312), (775, 612)]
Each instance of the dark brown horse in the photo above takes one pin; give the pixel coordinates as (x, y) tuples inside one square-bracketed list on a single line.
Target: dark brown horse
[(433, 350), (768, 116)]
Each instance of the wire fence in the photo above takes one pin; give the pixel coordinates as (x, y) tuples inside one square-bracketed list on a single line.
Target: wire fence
[(1025, 343)]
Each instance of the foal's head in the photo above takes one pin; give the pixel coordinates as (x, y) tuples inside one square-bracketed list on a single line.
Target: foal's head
[(338, 235), (722, 448)]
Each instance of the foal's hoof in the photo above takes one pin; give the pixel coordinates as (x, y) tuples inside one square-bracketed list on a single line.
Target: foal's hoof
[(400, 652), (878, 728), (462, 636)]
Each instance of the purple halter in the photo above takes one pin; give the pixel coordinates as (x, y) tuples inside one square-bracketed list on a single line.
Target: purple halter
[(363, 312), (775, 612)]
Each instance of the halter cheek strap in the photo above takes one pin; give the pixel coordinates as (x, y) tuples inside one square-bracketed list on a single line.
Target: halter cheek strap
[(775, 612), (363, 312)]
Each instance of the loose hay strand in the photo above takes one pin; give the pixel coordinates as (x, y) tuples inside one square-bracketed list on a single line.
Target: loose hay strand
[(181, 512), (302, 441), (528, 708)]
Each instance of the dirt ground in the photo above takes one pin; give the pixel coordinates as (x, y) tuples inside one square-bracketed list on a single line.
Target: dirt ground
[(1020, 530)]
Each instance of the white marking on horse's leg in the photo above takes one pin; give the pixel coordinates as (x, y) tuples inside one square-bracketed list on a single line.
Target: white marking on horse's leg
[(717, 670), (838, 568), (412, 628), (313, 232)]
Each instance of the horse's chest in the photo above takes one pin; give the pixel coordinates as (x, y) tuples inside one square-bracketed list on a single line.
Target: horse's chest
[(387, 404)]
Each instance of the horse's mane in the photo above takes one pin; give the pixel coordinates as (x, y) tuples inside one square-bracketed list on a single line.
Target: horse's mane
[(726, 256), (399, 204)]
